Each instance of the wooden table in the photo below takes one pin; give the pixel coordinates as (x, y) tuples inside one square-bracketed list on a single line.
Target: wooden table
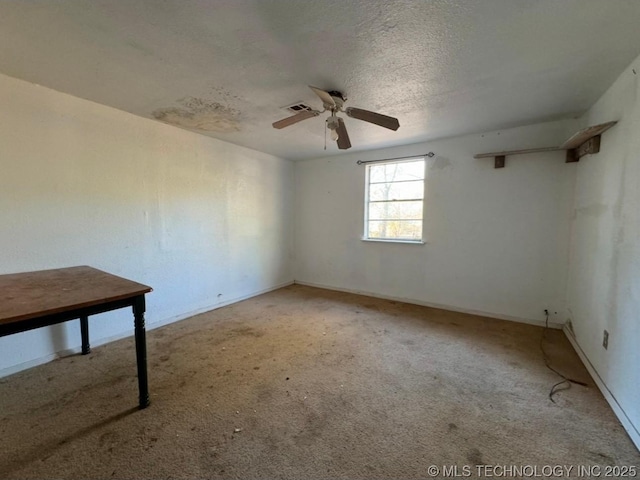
[(38, 299)]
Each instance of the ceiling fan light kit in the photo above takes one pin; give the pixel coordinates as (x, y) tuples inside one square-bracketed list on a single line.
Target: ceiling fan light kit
[(332, 125), (333, 102)]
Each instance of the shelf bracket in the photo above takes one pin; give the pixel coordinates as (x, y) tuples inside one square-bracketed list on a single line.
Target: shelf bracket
[(587, 148), (499, 161)]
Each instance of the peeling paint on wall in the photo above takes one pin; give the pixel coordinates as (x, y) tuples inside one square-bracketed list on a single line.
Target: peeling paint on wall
[(200, 114)]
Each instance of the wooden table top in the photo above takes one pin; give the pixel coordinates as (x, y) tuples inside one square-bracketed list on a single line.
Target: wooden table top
[(33, 294)]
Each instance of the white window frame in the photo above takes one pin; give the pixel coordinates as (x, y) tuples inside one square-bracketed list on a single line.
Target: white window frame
[(365, 236)]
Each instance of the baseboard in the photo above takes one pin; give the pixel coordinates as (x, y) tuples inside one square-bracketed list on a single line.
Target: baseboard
[(67, 352), (5, 372), (209, 308), (629, 427), (452, 308)]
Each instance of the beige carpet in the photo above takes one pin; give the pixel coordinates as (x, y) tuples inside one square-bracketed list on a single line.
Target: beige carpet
[(320, 384)]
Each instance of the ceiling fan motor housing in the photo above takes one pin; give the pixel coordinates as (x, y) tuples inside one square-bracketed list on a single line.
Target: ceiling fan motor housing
[(338, 98)]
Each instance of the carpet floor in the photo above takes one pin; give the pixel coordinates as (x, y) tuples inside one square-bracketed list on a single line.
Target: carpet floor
[(309, 383)]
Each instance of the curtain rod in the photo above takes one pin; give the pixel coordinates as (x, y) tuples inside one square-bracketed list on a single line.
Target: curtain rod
[(364, 162)]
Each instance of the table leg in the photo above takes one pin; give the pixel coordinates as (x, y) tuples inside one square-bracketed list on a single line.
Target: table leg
[(84, 333), (141, 350)]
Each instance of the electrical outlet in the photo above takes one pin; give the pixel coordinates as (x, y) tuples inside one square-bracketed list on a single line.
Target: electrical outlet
[(605, 340)]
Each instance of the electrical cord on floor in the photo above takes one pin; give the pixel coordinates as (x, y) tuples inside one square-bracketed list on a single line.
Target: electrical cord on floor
[(565, 380)]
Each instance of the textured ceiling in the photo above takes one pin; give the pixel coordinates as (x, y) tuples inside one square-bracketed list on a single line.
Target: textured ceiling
[(226, 68)]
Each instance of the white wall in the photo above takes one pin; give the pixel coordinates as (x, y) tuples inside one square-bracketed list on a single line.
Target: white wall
[(497, 239), (202, 221), (604, 276)]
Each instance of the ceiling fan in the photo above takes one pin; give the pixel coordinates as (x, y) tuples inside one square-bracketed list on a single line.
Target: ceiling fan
[(333, 102)]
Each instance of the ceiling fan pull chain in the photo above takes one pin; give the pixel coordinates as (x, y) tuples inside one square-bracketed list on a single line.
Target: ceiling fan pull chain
[(325, 135)]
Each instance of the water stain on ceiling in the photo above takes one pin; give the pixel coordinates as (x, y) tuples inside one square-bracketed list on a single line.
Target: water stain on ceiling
[(200, 114)]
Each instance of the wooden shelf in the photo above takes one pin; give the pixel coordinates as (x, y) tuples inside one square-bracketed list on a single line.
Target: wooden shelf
[(584, 142), (582, 136), (517, 152)]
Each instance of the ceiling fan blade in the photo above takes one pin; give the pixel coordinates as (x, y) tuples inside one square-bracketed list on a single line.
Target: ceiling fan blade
[(376, 118), (343, 137), (324, 96), (298, 117)]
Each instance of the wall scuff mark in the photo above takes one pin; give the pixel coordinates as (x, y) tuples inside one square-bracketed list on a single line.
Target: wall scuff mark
[(441, 163)]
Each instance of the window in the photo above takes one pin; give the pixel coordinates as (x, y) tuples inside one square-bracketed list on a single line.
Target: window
[(394, 200)]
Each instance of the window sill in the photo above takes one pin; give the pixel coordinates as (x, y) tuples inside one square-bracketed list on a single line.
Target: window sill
[(384, 240)]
